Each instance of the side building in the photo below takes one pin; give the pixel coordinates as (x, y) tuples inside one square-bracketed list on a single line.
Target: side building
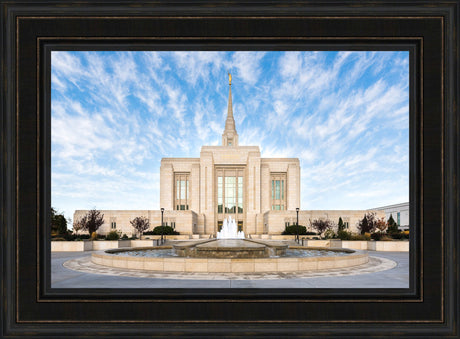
[(399, 212), (197, 194)]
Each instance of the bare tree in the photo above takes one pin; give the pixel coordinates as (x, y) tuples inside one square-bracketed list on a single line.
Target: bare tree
[(79, 224), (321, 225), (140, 224), (90, 222), (381, 224)]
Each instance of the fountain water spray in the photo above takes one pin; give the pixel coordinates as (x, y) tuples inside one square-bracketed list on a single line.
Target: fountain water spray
[(229, 230)]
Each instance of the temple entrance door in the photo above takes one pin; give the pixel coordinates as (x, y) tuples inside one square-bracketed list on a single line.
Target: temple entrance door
[(229, 196)]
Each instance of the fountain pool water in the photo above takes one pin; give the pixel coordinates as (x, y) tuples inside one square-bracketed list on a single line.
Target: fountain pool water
[(229, 230)]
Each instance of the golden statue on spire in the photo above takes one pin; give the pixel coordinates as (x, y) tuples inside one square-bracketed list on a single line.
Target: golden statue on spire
[(229, 79)]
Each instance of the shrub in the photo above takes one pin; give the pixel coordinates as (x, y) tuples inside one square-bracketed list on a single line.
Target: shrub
[(124, 237), (69, 236), (344, 235), (330, 234), (113, 235), (295, 229), (392, 225), (159, 230), (368, 223), (93, 236), (340, 225), (377, 236), (360, 237), (399, 236), (58, 223), (386, 238)]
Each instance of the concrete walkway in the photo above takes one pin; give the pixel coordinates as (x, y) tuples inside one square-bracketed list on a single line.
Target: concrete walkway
[(392, 272)]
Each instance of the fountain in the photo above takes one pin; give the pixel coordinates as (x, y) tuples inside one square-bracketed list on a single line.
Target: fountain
[(229, 230), (230, 252)]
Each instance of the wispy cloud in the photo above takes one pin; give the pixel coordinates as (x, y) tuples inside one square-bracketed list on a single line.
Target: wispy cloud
[(116, 114)]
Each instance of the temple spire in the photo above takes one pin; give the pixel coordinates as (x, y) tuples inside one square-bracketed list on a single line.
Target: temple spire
[(230, 136)]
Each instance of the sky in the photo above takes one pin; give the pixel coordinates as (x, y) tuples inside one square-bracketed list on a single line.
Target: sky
[(345, 115)]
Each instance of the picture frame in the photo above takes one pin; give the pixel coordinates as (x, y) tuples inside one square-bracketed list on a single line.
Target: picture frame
[(31, 31)]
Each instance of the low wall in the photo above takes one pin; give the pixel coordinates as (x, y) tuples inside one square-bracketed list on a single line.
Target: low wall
[(355, 244), (281, 237), (80, 246), (71, 246), (392, 246), (108, 244), (142, 243), (318, 243), (212, 265)]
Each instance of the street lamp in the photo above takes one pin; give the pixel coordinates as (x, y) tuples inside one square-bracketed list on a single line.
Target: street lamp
[(162, 230), (297, 210)]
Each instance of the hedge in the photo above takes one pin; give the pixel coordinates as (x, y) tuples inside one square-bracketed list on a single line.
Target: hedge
[(159, 230)]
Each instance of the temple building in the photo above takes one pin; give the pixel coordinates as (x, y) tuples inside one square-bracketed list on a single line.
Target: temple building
[(197, 194)]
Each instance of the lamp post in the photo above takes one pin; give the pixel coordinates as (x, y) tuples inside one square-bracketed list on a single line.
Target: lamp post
[(162, 211), (297, 210)]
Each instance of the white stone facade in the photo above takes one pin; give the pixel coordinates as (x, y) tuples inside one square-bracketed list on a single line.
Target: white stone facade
[(184, 222)]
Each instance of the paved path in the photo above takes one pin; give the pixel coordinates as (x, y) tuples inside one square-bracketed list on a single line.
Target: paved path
[(74, 269)]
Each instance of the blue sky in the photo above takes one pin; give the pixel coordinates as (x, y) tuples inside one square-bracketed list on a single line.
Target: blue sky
[(345, 115)]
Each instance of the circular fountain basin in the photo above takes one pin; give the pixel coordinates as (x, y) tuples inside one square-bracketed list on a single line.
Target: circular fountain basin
[(229, 249), (169, 259)]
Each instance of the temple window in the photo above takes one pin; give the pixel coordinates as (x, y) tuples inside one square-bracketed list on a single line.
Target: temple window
[(182, 183)]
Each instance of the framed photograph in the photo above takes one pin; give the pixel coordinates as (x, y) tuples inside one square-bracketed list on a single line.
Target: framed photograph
[(127, 129), (213, 121)]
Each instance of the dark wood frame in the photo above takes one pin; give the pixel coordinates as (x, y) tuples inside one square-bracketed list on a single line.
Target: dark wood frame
[(428, 29)]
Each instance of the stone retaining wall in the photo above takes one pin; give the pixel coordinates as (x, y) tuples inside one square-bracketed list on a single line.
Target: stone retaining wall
[(210, 265), (80, 246)]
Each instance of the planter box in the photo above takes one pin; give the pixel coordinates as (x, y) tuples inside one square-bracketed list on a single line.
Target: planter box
[(336, 243), (391, 246), (372, 245), (143, 243), (108, 244), (71, 246), (355, 244), (317, 243), (178, 237), (282, 237)]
